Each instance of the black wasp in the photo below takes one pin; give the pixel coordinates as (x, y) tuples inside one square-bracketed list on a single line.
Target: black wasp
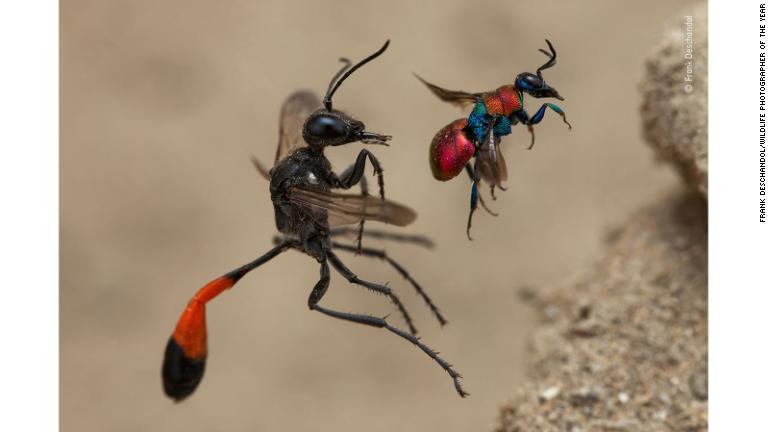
[(306, 212)]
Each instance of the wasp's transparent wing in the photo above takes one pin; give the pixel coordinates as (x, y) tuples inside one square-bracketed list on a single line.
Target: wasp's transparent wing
[(501, 165), (294, 112), (261, 169), (457, 97), (490, 161), (344, 209)]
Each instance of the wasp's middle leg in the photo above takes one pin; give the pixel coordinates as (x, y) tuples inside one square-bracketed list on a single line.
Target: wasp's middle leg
[(377, 288), (416, 239), (471, 172), (319, 291)]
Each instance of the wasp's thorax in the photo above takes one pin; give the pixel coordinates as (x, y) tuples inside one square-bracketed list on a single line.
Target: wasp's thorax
[(535, 86), (331, 128)]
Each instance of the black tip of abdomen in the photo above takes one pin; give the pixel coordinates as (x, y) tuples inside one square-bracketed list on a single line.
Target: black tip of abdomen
[(181, 374)]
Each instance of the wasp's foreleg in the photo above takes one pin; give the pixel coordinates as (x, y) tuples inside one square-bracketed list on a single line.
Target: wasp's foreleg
[(355, 174), (536, 119), (363, 191), (352, 175)]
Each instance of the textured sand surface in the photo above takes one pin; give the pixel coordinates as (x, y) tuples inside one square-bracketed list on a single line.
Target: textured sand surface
[(624, 348), (162, 104)]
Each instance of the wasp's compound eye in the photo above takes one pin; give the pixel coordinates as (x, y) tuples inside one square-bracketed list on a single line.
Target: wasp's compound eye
[(533, 81), (327, 127)]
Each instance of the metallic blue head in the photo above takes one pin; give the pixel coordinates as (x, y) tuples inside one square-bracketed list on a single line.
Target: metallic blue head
[(534, 84)]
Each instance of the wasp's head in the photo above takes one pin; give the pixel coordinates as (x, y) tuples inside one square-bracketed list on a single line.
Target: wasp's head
[(534, 84), (330, 127)]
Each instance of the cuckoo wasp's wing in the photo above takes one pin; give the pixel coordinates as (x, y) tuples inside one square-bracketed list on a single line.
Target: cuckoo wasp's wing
[(457, 97), (490, 161), (294, 112), (344, 209)]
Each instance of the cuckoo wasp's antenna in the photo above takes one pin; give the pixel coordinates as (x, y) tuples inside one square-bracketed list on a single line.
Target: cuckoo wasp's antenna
[(552, 59)]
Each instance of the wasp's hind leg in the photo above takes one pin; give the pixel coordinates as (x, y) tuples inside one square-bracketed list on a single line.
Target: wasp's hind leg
[(377, 288), (186, 351), (319, 291), (472, 208), (382, 254), (471, 173), (474, 196), (536, 119)]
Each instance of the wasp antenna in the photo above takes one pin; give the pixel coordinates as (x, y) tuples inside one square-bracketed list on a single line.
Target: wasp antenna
[(552, 58), (345, 73), (347, 65)]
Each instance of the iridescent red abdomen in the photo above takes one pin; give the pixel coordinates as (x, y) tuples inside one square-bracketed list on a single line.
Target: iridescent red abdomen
[(450, 150)]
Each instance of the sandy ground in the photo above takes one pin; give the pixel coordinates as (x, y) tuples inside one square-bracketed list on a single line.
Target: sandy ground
[(623, 347), (163, 102)]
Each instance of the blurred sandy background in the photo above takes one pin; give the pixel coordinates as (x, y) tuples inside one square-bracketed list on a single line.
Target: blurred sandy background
[(163, 102)]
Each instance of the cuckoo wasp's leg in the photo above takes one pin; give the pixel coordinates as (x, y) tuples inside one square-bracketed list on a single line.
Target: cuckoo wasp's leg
[(320, 289), (523, 117), (382, 254), (471, 172), (533, 136), (415, 239), (377, 288), (187, 349), (491, 145), (473, 198), (540, 113)]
